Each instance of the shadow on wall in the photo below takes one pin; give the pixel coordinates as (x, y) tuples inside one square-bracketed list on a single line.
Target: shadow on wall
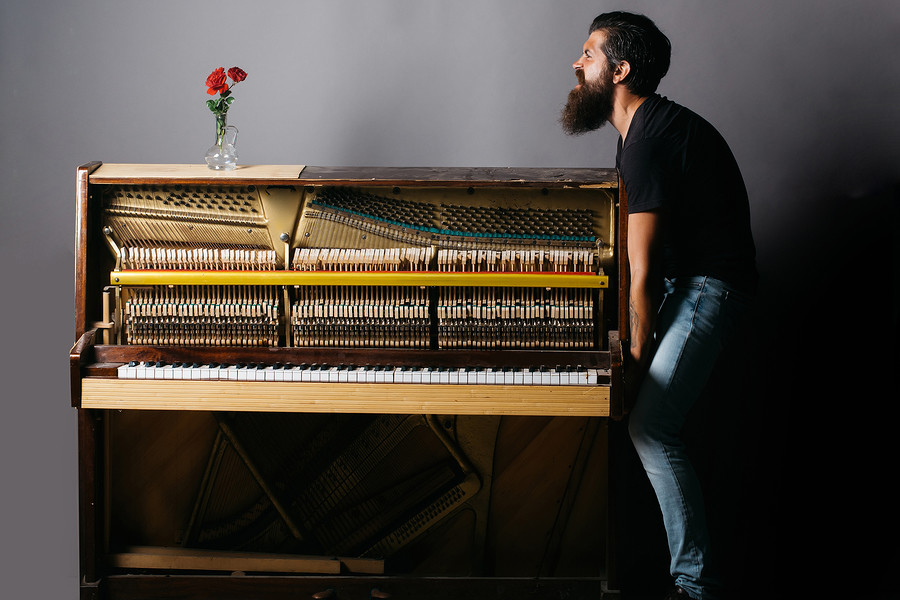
[(840, 361), (815, 433)]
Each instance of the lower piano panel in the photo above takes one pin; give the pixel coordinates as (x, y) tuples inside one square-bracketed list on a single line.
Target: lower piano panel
[(568, 400), (365, 487)]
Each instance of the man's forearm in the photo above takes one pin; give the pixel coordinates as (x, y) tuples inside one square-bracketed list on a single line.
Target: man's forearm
[(643, 267), (640, 314)]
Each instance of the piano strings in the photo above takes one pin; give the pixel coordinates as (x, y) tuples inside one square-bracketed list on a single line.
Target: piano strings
[(225, 229)]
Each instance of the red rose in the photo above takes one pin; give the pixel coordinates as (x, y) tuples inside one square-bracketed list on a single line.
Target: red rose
[(237, 74), (216, 82)]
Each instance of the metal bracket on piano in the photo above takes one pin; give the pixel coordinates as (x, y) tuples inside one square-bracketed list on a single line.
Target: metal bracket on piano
[(107, 234), (108, 327)]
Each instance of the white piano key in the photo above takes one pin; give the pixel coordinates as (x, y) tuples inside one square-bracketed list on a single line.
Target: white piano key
[(545, 377), (140, 371)]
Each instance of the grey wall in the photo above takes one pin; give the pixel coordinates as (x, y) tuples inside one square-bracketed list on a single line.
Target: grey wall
[(805, 91)]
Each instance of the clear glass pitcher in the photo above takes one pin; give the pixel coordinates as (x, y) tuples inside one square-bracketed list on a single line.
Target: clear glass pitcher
[(222, 155)]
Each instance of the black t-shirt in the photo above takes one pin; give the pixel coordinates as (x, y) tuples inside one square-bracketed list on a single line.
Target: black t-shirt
[(676, 162)]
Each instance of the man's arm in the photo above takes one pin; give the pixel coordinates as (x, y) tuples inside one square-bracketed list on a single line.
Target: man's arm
[(643, 301)]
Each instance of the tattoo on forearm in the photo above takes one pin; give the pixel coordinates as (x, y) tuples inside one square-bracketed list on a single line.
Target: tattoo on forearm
[(633, 322)]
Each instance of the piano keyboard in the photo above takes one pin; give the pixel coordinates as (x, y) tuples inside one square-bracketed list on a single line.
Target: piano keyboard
[(387, 374)]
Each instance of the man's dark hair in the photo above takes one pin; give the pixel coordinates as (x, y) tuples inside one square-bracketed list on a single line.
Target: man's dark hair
[(637, 40)]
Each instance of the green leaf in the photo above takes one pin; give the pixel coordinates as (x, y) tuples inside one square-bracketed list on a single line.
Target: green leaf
[(228, 101), (211, 104)]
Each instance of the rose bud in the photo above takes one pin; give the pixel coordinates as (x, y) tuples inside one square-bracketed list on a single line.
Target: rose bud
[(237, 74)]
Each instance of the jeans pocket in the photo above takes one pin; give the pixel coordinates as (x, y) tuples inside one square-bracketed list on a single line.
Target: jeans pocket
[(686, 283), (736, 308)]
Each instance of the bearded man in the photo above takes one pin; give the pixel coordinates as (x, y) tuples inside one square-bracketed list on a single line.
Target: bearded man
[(691, 258)]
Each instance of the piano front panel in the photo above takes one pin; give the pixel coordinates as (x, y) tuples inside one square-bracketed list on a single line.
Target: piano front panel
[(381, 372), (410, 494)]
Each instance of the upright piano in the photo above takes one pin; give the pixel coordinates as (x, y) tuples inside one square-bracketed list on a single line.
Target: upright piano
[(328, 382)]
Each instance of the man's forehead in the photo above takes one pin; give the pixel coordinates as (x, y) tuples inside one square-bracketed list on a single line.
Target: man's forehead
[(595, 41)]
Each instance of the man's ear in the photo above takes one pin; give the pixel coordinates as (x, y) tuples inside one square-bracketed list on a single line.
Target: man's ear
[(621, 71)]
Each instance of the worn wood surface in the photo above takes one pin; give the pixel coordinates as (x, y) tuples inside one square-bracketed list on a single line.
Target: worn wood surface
[(139, 174), (195, 173)]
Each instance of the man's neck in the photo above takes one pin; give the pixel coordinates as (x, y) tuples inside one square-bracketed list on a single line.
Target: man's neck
[(625, 104)]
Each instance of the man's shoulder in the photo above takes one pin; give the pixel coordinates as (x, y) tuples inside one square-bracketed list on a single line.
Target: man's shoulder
[(660, 116)]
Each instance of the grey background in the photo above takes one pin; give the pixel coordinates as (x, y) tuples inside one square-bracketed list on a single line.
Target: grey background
[(806, 92)]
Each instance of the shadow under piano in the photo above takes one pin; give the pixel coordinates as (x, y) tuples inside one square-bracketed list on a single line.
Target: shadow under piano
[(333, 382)]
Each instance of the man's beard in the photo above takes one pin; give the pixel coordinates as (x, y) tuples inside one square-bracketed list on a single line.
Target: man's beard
[(588, 107)]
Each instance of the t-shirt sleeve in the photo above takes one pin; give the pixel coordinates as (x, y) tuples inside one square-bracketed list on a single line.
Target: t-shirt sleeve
[(646, 172)]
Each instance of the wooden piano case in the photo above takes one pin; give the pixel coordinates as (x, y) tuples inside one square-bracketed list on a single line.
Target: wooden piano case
[(254, 488)]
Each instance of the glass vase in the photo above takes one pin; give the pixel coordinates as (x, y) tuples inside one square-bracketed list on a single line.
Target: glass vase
[(222, 155)]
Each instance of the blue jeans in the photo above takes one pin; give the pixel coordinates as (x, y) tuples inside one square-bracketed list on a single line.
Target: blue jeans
[(695, 319)]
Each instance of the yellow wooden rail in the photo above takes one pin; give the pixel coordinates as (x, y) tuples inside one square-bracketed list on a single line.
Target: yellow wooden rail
[(404, 278)]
